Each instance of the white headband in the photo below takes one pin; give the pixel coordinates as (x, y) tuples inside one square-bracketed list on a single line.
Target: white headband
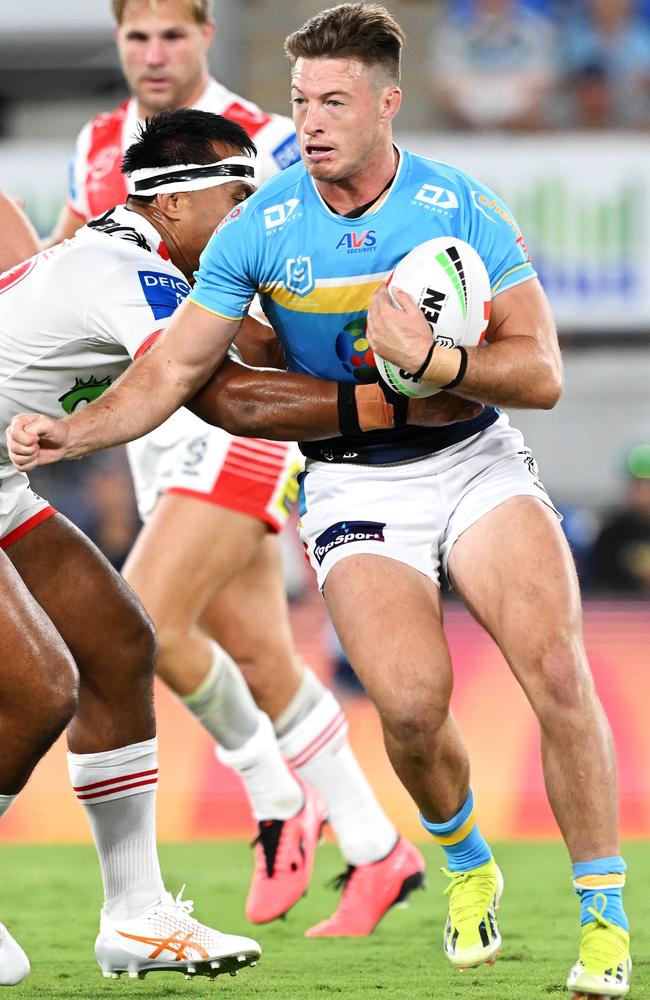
[(191, 176)]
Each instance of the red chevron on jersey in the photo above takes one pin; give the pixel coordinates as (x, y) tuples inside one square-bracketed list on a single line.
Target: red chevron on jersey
[(250, 118), (105, 183)]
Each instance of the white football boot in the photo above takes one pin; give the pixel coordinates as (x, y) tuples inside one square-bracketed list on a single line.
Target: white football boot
[(166, 938), (14, 964)]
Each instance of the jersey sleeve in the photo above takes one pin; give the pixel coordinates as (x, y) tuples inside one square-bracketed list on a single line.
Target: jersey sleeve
[(491, 228), (224, 283), (134, 303), (77, 173)]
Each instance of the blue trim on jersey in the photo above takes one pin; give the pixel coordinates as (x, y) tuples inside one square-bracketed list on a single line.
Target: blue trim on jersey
[(316, 272)]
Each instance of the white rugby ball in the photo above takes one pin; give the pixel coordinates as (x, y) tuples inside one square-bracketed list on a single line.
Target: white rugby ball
[(447, 279)]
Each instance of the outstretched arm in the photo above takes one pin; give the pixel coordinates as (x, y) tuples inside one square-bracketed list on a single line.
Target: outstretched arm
[(290, 406), (170, 373)]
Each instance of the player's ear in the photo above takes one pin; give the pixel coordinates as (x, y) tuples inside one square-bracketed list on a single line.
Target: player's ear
[(170, 204), (391, 103), (209, 31)]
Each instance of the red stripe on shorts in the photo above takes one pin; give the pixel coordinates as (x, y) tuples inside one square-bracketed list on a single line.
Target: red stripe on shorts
[(26, 526)]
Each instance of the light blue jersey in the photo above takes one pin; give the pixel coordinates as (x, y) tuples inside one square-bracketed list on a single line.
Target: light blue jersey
[(316, 272)]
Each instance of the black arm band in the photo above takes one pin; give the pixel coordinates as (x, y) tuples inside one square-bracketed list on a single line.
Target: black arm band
[(461, 371), (425, 364), (399, 403), (347, 407)]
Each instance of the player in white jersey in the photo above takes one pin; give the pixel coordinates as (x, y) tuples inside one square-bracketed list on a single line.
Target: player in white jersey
[(502, 543), (219, 502), (79, 647)]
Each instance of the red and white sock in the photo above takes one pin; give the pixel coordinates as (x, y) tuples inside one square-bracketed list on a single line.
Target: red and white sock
[(117, 788), (312, 733)]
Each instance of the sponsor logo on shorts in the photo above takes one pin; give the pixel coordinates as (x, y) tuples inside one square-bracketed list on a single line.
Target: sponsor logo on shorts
[(163, 292), (347, 531), (300, 279), (359, 242), (287, 152)]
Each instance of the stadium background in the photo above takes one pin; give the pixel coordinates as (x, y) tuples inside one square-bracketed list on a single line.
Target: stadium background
[(586, 219)]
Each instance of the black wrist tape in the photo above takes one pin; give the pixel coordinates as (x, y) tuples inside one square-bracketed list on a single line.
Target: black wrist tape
[(425, 364), (461, 371), (399, 403), (347, 407)]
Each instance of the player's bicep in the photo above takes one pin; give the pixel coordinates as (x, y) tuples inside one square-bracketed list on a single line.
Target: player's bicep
[(524, 311)]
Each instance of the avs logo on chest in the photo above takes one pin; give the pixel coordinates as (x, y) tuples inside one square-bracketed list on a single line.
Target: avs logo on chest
[(360, 242), (163, 292), (344, 532)]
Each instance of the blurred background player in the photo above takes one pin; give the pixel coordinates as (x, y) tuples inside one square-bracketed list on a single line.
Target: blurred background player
[(80, 648), (619, 561)]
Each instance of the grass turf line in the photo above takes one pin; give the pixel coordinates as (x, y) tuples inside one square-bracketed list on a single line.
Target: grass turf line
[(50, 896)]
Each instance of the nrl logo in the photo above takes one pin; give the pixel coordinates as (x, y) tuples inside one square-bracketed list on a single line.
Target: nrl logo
[(300, 279), (83, 391)]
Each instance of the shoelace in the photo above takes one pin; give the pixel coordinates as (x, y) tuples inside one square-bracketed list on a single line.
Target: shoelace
[(343, 881), (593, 948), (468, 906), (178, 903)]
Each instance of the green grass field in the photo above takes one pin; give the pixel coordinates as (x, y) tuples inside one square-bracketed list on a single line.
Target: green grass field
[(50, 900)]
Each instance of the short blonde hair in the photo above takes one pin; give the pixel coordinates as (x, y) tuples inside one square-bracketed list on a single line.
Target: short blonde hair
[(199, 11)]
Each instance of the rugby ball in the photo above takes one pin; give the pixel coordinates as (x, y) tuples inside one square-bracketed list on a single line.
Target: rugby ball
[(447, 279)]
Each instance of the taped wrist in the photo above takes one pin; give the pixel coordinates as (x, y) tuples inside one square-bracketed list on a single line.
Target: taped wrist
[(373, 407), (446, 368), (379, 407)]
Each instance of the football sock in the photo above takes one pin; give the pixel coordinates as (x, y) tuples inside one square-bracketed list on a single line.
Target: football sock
[(599, 884), (5, 802), (117, 788), (223, 703), (460, 839), (272, 789), (312, 734)]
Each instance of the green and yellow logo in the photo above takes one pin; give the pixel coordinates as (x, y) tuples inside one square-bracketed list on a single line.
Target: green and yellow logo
[(83, 391)]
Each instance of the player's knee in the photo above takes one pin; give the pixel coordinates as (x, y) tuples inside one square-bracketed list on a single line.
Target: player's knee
[(565, 684), (415, 722), (137, 645)]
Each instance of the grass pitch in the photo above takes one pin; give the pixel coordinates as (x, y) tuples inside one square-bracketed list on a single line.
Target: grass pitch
[(50, 897)]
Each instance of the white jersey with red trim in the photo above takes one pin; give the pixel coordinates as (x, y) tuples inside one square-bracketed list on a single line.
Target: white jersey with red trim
[(96, 182), (72, 317)]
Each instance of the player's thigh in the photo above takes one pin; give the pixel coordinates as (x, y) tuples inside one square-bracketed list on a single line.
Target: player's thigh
[(93, 609), (189, 549), (389, 620), (250, 618), (34, 662), (514, 570)]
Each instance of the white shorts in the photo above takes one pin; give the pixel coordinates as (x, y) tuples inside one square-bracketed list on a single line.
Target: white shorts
[(20, 508), (415, 511), (191, 458)]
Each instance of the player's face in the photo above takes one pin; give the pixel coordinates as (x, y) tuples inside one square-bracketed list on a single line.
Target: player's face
[(203, 212), (342, 111), (163, 55)]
